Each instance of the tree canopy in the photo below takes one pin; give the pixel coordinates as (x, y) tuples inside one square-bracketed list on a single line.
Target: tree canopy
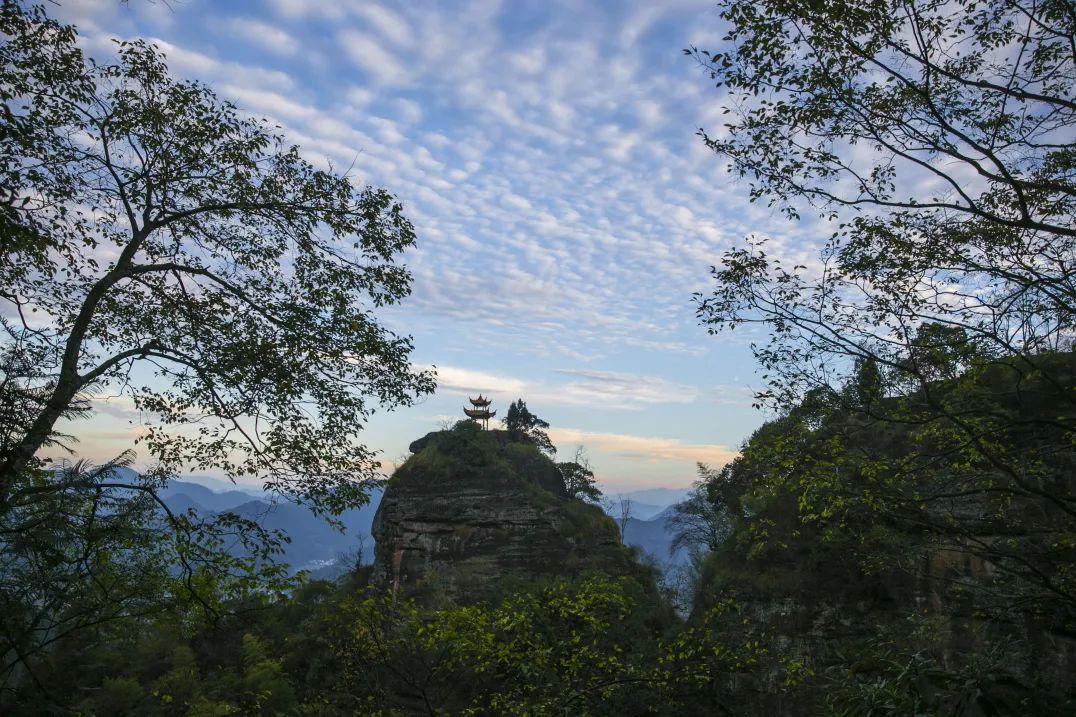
[(929, 136), (524, 424), (899, 537), (173, 251), (162, 248), (700, 523), (579, 481)]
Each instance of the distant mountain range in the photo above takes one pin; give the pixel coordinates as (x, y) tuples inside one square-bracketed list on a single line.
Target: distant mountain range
[(219, 485), (655, 537), (647, 503), (656, 496), (315, 546), (646, 527), (203, 497)]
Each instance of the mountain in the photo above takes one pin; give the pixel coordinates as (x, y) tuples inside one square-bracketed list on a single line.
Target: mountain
[(654, 537), (642, 511), (211, 499), (666, 513), (181, 503), (219, 485), (473, 511), (314, 543), (660, 497)]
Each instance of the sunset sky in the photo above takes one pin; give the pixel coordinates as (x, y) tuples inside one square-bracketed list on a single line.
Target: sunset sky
[(565, 207)]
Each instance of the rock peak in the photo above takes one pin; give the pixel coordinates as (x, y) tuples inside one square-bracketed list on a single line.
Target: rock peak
[(472, 508)]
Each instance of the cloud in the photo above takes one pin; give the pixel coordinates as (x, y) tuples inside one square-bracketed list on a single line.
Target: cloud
[(380, 65), (296, 9), (266, 36), (563, 206), (648, 448), (409, 110), (262, 101), (625, 389), (465, 381), (732, 395), (117, 406), (516, 183), (603, 389), (388, 23), (530, 61)]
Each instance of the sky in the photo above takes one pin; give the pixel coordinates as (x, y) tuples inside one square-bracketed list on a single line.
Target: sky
[(566, 210)]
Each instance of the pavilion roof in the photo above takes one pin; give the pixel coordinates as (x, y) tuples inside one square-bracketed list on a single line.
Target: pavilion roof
[(482, 413)]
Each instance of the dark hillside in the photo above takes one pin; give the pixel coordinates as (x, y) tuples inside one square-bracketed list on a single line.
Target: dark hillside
[(928, 533)]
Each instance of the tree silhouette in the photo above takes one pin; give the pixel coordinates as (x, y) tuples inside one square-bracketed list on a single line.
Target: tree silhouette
[(521, 423)]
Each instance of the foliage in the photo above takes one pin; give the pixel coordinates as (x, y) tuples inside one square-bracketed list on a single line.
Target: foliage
[(161, 247), (466, 452), (850, 104), (520, 422), (184, 256), (535, 653), (579, 481), (923, 367), (881, 113), (82, 549), (834, 546), (701, 521), (903, 671), (588, 647)]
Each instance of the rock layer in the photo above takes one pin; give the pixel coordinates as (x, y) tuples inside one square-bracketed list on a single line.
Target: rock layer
[(471, 509)]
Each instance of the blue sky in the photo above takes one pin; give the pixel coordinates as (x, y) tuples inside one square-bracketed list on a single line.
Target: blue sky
[(566, 210)]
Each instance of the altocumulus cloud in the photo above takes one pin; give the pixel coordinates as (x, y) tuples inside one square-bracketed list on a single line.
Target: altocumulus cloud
[(564, 206), (599, 389)]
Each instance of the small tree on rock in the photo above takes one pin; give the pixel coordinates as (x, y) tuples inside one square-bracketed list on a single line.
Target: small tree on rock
[(521, 423), (578, 477)]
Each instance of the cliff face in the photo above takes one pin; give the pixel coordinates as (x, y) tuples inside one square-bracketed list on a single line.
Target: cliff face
[(909, 631), (471, 509)]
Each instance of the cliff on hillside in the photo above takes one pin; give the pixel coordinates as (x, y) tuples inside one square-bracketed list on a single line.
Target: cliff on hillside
[(931, 583), (472, 509)]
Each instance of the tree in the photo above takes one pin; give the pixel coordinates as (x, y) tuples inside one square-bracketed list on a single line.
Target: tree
[(186, 257), (521, 423), (620, 510), (904, 81), (954, 189), (867, 385), (83, 549), (818, 517), (941, 312), (160, 246), (177, 253), (578, 477), (701, 522)]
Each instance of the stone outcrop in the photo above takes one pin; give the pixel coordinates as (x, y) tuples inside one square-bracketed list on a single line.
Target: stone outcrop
[(472, 509)]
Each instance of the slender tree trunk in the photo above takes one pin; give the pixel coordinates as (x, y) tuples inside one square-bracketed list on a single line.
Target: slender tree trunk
[(69, 382), (38, 434)]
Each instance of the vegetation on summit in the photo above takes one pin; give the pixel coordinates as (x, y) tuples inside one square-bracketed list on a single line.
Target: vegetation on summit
[(579, 480), (520, 422)]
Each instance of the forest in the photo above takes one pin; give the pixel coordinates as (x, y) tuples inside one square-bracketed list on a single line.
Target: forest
[(897, 537)]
